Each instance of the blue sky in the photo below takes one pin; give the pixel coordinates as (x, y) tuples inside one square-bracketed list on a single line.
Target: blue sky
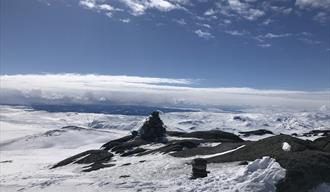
[(272, 44)]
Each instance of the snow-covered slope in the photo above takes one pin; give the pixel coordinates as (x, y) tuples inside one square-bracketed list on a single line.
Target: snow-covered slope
[(32, 141), (21, 121)]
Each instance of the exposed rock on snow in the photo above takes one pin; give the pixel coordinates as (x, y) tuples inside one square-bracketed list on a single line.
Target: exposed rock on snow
[(199, 168), (96, 159), (306, 165), (153, 131), (211, 135), (322, 144), (255, 132), (153, 128), (317, 132)]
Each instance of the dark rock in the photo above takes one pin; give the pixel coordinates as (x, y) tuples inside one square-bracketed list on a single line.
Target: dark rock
[(212, 135), (119, 141), (175, 145), (322, 143), (243, 163), (96, 166), (142, 161), (239, 118), (255, 132), (317, 132), (153, 129), (306, 166), (88, 157), (133, 152), (199, 166), (6, 161), (126, 164), (124, 176), (207, 150), (129, 145)]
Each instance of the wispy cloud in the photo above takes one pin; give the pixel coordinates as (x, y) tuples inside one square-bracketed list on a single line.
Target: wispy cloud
[(180, 21), (203, 34), (215, 15), (139, 7), (96, 89), (308, 4), (264, 45), (236, 33), (100, 7)]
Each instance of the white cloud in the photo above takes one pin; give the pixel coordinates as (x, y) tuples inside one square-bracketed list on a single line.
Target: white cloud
[(204, 25), (322, 17), (139, 7), (243, 9), (93, 89), (204, 34), (307, 4), (88, 3), (272, 35), (236, 33), (125, 20), (162, 5), (261, 38), (310, 41), (264, 45), (281, 10), (210, 12), (267, 21), (180, 21), (94, 5)]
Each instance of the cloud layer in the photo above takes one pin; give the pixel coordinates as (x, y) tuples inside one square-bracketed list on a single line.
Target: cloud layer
[(106, 89)]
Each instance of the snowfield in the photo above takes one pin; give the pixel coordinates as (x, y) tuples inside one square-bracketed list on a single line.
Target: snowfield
[(32, 141)]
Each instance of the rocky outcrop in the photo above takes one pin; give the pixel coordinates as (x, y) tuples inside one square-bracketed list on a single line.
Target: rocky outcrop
[(212, 135), (109, 145), (317, 133), (322, 144), (306, 165), (153, 129), (96, 159), (256, 132)]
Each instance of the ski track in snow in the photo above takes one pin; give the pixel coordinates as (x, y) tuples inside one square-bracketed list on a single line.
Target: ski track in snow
[(27, 152)]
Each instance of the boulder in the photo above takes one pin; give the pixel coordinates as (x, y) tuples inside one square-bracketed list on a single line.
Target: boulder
[(199, 168)]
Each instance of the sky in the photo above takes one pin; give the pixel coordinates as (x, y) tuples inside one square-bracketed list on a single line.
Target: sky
[(208, 46)]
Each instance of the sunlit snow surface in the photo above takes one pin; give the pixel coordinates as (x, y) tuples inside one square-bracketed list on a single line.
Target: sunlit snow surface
[(32, 141)]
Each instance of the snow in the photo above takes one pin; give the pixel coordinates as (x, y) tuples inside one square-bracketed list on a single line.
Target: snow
[(21, 121), (286, 146), (32, 141), (157, 173)]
